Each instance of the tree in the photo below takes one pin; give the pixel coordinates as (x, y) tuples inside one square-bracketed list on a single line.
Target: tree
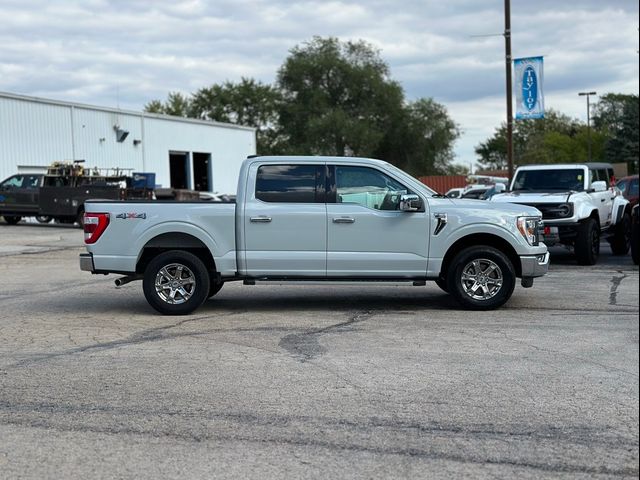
[(248, 103), (338, 98), (176, 104), (555, 139), (616, 116), (424, 138)]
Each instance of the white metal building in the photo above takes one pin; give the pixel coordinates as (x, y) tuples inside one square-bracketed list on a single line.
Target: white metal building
[(183, 153)]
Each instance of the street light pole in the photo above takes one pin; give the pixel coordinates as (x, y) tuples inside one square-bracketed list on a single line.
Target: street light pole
[(588, 94)]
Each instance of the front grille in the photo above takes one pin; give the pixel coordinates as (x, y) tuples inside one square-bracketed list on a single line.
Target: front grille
[(554, 210)]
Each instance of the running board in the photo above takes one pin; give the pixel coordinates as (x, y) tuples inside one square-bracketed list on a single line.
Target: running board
[(279, 281)]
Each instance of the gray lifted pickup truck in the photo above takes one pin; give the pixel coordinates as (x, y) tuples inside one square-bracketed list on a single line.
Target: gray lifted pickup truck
[(317, 219)]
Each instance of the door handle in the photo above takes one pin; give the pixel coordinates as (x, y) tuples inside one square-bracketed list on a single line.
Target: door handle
[(602, 199), (344, 220), (260, 219)]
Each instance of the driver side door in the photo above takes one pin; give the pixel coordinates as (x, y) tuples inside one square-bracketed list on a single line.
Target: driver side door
[(367, 233)]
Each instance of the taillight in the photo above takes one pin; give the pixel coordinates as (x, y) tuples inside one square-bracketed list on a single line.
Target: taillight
[(94, 225)]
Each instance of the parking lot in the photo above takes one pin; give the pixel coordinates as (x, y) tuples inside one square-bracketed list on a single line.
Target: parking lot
[(313, 381)]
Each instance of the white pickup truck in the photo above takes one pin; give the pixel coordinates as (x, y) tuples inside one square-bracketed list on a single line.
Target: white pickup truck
[(316, 219), (580, 204)]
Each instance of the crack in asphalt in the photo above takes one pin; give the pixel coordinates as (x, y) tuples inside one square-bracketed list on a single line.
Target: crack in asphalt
[(306, 346), (615, 283), (150, 335)]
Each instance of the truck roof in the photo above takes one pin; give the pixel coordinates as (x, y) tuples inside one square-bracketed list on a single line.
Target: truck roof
[(312, 159), (594, 165)]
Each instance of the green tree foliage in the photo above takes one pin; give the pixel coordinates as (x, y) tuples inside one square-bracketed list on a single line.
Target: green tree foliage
[(330, 98), (556, 138), (248, 103), (616, 116), (339, 99)]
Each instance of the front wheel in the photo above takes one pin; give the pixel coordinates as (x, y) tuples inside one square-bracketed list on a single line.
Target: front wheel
[(587, 246), (43, 218), (176, 283), (481, 278)]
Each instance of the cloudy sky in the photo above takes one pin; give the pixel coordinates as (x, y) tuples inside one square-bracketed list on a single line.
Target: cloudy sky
[(126, 53)]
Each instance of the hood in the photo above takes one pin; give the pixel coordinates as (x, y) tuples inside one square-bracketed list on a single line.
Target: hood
[(533, 197), (514, 209)]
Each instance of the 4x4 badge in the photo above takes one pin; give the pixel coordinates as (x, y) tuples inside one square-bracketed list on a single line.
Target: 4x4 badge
[(126, 216)]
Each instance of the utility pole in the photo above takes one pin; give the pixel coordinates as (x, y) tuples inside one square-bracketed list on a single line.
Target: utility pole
[(507, 50), (588, 94)]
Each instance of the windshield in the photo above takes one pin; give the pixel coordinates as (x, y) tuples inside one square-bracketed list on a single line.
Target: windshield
[(549, 179)]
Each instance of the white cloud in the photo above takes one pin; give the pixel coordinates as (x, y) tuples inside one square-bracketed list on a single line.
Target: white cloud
[(108, 51)]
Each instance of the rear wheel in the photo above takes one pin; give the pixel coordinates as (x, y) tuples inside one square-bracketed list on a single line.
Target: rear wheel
[(43, 218), (12, 219), (80, 218), (635, 238), (622, 236), (587, 246), (176, 283), (481, 278)]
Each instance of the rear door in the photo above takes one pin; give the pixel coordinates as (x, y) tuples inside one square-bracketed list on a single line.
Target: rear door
[(285, 221), (368, 234)]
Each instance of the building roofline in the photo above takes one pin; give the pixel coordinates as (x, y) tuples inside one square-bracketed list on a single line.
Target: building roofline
[(159, 116)]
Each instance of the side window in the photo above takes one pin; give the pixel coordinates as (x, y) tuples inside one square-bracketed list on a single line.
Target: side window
[(368, 187), (633, 188), (604, 176), (13, 182), (32, 181), (290, 183)]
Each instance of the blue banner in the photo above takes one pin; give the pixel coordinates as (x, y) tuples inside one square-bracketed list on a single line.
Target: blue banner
[(528, 86)]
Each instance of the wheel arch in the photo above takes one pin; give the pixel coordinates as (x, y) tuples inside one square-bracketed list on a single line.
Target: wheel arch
[(478, 239), (175, 241)]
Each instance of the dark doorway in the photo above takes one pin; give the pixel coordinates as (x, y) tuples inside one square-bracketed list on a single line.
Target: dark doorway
[(201, 171), (178, 169)]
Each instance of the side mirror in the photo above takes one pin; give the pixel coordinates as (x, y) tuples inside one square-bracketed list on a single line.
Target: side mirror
[(409, 203), (500, 187), (599, 186)]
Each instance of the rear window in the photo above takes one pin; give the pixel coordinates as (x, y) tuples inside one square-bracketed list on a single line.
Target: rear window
[(290, 183)]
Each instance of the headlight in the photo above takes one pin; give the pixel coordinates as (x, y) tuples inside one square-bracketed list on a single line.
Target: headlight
[(529, 227)]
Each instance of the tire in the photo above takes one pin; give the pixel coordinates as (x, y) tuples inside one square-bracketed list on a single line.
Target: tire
[(621, 240), (80, 218), (442, 283), (176, 283), (481, 278), (43, 218), (587, 245), (12, 219), (635, 241), (214, 287)]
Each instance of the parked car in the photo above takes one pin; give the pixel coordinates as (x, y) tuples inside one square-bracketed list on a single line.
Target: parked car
[(629, 188), (454, 192)]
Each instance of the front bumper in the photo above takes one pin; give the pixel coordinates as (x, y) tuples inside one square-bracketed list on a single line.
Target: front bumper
[(534, 265), (86, 262)]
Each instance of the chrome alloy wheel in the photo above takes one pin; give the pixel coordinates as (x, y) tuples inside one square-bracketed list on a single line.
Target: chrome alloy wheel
[(175, 283), (481, 279)]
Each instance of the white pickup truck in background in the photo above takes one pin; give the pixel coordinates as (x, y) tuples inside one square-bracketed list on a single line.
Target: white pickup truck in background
[(579, 203), (316, 219)]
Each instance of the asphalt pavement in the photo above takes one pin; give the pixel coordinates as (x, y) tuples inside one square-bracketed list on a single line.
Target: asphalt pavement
[(313, 381)]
